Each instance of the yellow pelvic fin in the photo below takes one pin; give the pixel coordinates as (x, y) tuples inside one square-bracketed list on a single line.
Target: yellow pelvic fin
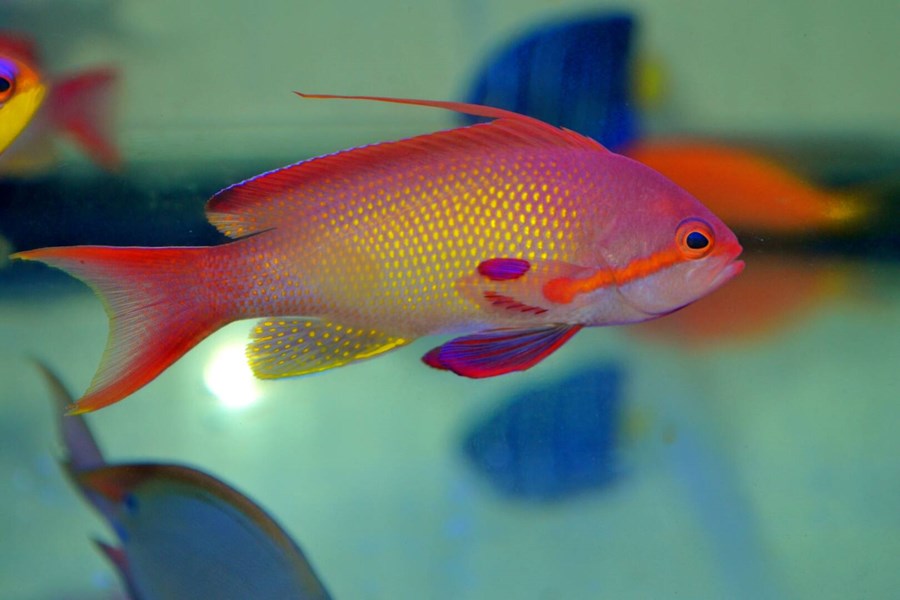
[(285, 347)]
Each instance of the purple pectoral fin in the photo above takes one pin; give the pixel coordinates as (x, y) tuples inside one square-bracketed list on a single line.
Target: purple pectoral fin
[(499, 351), (503, 269)]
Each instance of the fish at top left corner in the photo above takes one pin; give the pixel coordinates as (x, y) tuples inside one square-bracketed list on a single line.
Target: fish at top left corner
[(36, 109), (21, 88)]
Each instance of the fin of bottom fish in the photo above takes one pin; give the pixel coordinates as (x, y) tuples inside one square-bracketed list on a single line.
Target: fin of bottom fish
[(114, 554), (299, 346), (499, 351), (81, 448), (119, 561)]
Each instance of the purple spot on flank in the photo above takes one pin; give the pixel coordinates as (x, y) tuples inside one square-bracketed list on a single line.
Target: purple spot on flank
[(503, 269)]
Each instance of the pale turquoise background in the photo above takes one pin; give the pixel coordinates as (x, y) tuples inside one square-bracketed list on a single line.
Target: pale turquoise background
[(783, 479), (214, 78)]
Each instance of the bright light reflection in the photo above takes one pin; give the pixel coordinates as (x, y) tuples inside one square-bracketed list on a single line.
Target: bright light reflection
[(229, 378)]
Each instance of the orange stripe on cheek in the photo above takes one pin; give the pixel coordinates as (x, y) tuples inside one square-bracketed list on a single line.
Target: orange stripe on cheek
[(563, 290)]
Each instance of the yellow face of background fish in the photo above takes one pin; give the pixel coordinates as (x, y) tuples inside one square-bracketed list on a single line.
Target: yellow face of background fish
[(21, 93)]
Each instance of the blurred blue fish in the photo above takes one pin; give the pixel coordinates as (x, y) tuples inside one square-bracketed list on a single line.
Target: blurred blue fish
[(183, 533), (575, 74), (554, 441)]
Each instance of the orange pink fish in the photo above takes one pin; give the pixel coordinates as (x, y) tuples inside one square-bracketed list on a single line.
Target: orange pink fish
[(34, 110), (512, 235)]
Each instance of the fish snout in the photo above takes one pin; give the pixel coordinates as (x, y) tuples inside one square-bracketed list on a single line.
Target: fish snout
[(731, 266)]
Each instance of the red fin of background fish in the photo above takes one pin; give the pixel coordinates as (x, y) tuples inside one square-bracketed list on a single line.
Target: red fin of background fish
[(253, 205), (82, 107), (154, 313), (18, 47), (499, 351), (299, 346), (503, 269)]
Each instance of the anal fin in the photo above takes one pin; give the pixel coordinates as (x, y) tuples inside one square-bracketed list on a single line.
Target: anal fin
[(286, 347)]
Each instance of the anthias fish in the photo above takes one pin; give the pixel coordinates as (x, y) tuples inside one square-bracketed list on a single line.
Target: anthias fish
[(513, 234), (34, 110)]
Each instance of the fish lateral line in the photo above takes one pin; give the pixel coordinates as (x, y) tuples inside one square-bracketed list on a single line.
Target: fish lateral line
[(563, 290)]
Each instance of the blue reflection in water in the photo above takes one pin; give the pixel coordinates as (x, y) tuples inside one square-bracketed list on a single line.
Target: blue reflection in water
[(553, 441)]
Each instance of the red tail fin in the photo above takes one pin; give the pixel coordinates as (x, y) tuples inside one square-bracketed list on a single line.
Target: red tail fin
[(157, 305), (82, 107)]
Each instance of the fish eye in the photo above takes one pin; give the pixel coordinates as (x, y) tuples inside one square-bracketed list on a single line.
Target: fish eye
[(6, 86), (695, 238)]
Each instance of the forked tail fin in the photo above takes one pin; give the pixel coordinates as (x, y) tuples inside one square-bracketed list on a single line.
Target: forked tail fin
[(158, 308)]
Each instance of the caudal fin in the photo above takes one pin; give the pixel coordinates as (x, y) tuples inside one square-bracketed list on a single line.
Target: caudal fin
[(157, 307), (82, 107)]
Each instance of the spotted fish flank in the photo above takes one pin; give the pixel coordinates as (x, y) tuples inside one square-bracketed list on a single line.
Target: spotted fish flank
[(512, 234)]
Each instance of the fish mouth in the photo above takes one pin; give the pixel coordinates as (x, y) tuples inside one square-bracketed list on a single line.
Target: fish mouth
[(731, 268), (728, 271)]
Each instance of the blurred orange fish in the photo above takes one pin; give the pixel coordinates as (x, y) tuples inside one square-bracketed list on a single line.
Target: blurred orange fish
[(34, 111), (748, 191), (514, 234)]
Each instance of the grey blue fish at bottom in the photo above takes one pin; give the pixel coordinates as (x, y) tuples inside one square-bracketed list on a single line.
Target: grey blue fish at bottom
[(182, 533)]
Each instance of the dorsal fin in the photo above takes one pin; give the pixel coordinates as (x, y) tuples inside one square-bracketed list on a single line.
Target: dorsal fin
[(476, 110), (262, 202)]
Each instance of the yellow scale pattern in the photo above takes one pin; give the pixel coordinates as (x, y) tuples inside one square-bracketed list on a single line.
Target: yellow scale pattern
[(364, 261), (391, 249), (288, 347)]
